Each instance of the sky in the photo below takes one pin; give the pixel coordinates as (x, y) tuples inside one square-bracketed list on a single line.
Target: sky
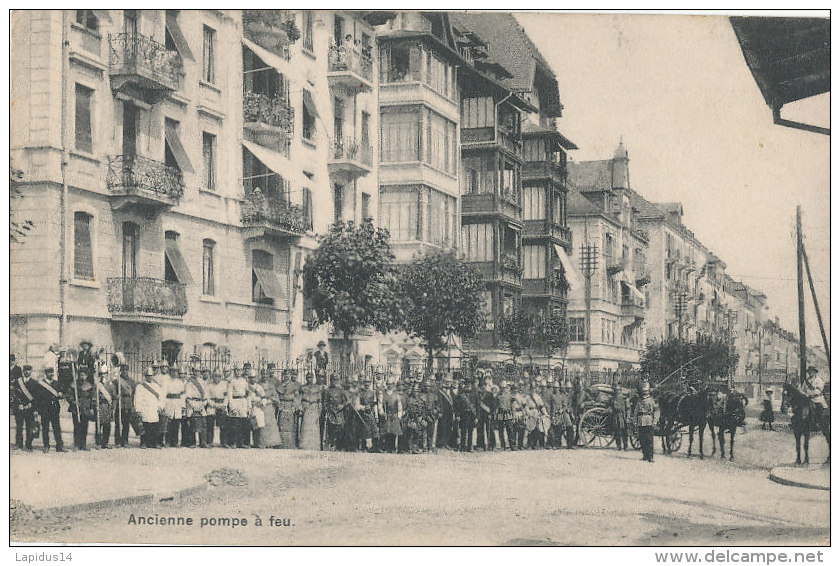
[(676, 88)]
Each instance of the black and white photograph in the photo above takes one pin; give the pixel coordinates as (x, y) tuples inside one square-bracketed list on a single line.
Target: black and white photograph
[(387, 278)]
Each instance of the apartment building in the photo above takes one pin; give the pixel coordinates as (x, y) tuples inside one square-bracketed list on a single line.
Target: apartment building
[(603, 220), (177, 166)]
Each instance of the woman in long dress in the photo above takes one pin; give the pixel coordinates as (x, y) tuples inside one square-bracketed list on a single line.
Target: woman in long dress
[(310, 400)]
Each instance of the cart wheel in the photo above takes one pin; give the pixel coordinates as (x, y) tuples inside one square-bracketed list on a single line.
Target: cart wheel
[(595, 427), (675, 440), (633, 430)]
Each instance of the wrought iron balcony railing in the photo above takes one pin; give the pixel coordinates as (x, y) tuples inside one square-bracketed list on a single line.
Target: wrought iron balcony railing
[(351, 59), (135, 175), (270, 110), (349, 148), (135, 54), (146, 296), (257, 209)]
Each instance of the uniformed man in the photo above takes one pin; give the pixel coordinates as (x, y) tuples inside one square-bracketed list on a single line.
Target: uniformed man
[(485, 403), (238, 412), (86, 361), (644, 415), (46, 398), (106, 403), (149, 403), (288, 408), (415, 419), (813, 388), (392, 414), (432, 402), (256, 416), (621, 411), (504, 417), (467, 414), (122, 419), (15, 370), (195, 403), (565, 417), (367, 407), (215, 412), (335, 402), (21, 402), (520, 405), (172, 385), (446, 423)]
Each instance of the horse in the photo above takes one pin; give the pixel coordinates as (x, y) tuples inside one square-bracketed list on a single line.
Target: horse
[(729, 414), (692, 409), (804, 419)]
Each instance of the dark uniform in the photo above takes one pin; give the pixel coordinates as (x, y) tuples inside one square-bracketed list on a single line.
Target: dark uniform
[(621, 410), (20, 397), (504, 418), (432, 401), (368, 409), (644, 415), (105, 410), (46, 401), (416, 417), (125, 407), (563, 420), (335, 402), (467, 416)]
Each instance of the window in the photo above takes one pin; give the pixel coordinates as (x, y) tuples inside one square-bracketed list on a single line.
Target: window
[(307, 207), (308, 43), (479, 174), (477, 112), (309, 115), (577, 329), (131, 119), (131, 233), (559, 208), (265, 285), (209, 153), (338, 30), (83, 246), (338, 203), (174, 153), (365, 129), (208, 69), (84, 136), (477, 242), (88, 19), (399, 214), (175, 40), (338, 119), (399, 63), (131, 22), (533, 203), (510, 182), (176, 270), (208, 270), (437, 75), (441, 145), (441, 214), (534, 260), (365, 206), (400, 138)]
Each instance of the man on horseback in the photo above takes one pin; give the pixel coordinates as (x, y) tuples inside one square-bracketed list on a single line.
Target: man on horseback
[(813, 388)]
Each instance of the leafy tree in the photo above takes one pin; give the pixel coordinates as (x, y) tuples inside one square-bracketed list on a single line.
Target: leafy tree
[(553, 335), (441, 296), (515, 333), (351, 280), (706, 358), (18, 229)]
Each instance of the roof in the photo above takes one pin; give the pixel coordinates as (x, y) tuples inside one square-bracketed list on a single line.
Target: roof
[(530, 129), (577, 204), (588, 176), (510, 46), (790, 58)]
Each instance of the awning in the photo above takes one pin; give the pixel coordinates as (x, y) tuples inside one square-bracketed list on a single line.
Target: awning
[(638, 296), (573, 276), (270, 283), (178, 150), (309, 103), (270, 159), (269, 58), (178, 36), (173, 254)]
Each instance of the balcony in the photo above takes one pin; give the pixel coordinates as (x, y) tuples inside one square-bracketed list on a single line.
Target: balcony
[(633, 310), (541, 170), (264, 217), (143, 299), (614, 264), (350, 158), (135, 180), (486, 138), (547, 287), (140, 65), (350, 69), (547, 229), (269, 120)]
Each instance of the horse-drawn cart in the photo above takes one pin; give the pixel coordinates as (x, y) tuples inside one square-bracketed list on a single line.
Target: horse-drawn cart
[(598, 422)]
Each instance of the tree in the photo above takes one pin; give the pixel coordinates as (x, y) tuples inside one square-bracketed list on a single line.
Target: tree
[(515, 333), (18, 229), (351, 280), (706, 358), (442, 295), (554, 335)]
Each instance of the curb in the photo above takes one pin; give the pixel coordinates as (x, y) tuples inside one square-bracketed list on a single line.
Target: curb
[(122, 501), (794, 483)]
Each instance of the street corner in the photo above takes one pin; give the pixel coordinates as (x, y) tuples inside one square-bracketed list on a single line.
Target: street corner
[(813, 476)]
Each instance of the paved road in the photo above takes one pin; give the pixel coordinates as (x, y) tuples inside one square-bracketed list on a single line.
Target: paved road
[(542, 497)]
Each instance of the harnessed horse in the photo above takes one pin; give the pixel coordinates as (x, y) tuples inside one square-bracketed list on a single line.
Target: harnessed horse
[(694, 409), (803, 419), (729, 414)]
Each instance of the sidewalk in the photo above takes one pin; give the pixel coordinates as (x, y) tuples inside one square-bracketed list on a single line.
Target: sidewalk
[(813, 476), (83, 480)]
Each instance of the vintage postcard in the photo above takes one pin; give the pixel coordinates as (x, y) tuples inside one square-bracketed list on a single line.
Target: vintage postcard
[(393, 277)]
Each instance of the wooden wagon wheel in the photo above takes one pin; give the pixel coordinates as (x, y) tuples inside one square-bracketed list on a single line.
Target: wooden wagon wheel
[(595, 428), (633, 431), (671, 440)]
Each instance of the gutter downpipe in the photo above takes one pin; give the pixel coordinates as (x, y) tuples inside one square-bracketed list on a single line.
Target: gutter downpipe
[(65, 159)]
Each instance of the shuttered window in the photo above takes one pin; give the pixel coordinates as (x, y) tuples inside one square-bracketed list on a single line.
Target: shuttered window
[(83, 246), (84, 136)]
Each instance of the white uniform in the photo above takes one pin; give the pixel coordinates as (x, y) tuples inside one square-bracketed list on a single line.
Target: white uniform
[(173, 389), (146, 404)]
